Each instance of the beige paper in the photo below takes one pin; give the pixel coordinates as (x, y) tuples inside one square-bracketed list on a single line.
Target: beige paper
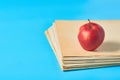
[(67, 32), (63, 39)]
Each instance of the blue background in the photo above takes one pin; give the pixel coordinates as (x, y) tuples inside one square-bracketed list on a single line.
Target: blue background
[(25, 53)]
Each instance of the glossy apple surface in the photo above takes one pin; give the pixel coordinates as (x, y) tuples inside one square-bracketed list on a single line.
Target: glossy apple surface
[(91, 36)]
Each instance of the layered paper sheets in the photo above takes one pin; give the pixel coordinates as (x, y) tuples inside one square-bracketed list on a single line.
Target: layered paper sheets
[(62, 36)]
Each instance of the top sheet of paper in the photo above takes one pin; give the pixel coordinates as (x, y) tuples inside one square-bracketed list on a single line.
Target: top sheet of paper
[(67, 32)]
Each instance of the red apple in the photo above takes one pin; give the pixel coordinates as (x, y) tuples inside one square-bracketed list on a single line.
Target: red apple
[(91, 36)]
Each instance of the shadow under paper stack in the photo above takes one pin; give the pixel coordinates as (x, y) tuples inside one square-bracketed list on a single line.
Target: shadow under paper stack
[(62, 36)]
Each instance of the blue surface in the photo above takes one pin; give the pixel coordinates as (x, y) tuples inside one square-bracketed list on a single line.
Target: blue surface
[(25, 53)]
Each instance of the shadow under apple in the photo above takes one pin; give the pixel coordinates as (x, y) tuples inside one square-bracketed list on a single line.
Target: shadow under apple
[(109, 47)]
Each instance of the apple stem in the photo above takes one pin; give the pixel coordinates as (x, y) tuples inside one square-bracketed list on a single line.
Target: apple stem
[(89, 23), (89, 20)]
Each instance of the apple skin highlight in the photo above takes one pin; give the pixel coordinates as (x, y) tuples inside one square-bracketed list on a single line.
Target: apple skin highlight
[(91, 36)]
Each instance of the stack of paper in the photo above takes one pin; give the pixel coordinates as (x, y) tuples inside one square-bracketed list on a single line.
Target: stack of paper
[(62, 36)]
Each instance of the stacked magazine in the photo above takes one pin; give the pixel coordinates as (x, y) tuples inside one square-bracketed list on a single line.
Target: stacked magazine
[(62, 36)]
